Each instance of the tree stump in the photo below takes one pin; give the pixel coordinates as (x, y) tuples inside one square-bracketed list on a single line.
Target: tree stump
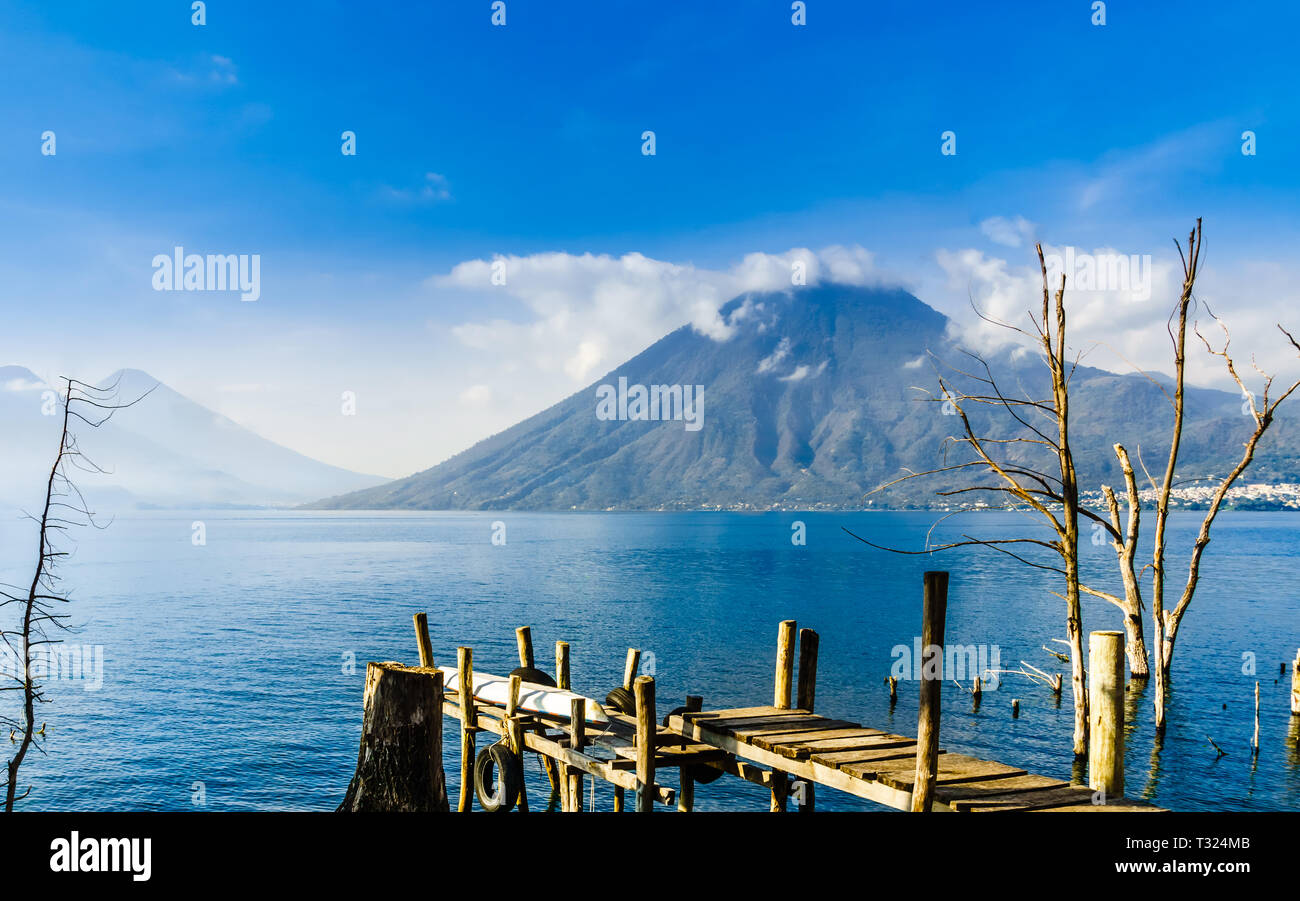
[(399, 766)]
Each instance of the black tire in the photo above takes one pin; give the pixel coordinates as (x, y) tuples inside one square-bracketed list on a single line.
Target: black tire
[(621, 700), (534, 675), (497, 757)]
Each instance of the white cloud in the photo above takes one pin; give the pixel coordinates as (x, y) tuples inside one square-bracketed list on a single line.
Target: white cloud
[(1118, 332), (476, 396), (1008, 232), (588, 313)]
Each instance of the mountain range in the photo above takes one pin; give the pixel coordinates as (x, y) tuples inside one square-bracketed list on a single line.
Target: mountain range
[(164, 451), (812, 402)]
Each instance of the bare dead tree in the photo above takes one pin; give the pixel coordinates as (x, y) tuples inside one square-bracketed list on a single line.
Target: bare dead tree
[(1166, 622), (1042, 427), (1054, 496), (64, 507)]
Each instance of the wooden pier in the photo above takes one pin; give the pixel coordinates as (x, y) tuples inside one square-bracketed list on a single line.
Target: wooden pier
[(784, 747)]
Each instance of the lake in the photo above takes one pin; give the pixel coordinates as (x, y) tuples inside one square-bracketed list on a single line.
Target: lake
[(233, 670)]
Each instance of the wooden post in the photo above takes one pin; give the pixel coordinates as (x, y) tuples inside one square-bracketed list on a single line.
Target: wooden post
[(893, 689), (1255, 742), (784, 664), (807, 694), (577, 739), (977, 692), (524, 638), (422, 639), (933, 616), (618, 799), (686, 792), (1295, 686), (645, 742), (1015, 708), (562, 665), (785, 634), (399, 765), (514, 732), (465, 689), (630, 667), (1106, 709)]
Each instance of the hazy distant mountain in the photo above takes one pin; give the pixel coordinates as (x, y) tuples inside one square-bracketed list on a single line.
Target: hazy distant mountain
[(166, 450), (810, 403)]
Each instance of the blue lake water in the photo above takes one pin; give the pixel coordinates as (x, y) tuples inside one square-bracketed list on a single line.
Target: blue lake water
[(227, 682)]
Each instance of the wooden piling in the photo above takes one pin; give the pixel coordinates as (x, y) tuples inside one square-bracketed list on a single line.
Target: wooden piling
[(630, 667), (514, 733), (934, 613), (465, 691), (618, 799), (686, 791), (1015, 708), (893, 690), (1106, 710), (562, 665), (577, 740), (644, 687), (806, 696), (784, 664), (785, 636), (422, 639), (1295, 686), (524, 638), (977, 692)]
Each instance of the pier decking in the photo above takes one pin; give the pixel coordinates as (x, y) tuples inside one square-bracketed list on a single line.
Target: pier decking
[(876, 765)]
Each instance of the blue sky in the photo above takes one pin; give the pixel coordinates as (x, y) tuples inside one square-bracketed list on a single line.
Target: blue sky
[(475, 141)]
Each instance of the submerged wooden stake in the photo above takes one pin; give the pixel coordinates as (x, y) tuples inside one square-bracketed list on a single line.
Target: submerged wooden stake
[(645, 742), (893, 690), (1106, 710), (465, 690), (1254, 744), (399, 765), (422, 639), (934, 613)]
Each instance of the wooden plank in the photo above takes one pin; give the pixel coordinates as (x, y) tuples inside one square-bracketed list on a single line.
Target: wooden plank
[(817, 741), (1064, 795), (785, 718), (952, 768), (844, 759), (807, 724), (964, 795), (742, 713)]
